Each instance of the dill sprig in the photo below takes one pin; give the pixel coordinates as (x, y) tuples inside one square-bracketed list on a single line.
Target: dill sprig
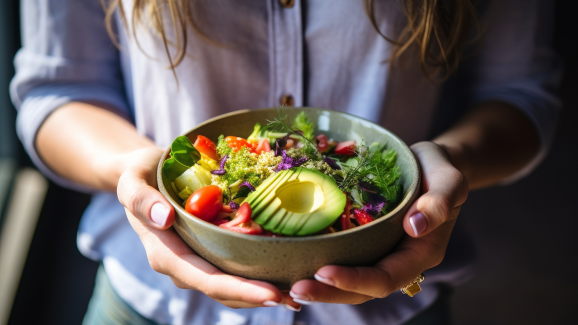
[(278, 124), (355, 173)]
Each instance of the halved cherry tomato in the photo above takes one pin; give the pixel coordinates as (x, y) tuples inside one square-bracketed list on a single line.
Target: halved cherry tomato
[(206, 147), (242, 222), (345, 148), (322, 143), (243, 214), (237, 143), (263, 146), (205, 203), (249, 227), (362, 217), (218, 222)]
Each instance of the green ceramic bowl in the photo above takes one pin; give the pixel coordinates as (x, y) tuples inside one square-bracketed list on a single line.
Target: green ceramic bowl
[(286, 260)]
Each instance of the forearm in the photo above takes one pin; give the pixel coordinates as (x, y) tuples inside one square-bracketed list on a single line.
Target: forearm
[(492, 142), (86, 144)]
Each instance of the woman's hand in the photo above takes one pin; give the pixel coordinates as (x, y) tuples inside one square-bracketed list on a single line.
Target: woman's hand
[(428, 223), (151, 216)]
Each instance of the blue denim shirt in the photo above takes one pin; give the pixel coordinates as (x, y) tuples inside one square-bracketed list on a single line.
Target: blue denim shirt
[(322, 53)]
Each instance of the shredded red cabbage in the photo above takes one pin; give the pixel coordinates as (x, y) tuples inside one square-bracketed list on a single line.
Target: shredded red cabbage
[(288, 162), (221, 171)]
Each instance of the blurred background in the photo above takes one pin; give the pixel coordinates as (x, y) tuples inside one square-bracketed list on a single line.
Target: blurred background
[(525, 232)]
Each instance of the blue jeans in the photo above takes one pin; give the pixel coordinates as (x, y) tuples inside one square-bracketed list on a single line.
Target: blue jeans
[(107, 308)]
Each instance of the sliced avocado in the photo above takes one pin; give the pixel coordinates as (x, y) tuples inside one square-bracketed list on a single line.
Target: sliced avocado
[(265, 186), (302, 204), (269, 211), (268, 197)]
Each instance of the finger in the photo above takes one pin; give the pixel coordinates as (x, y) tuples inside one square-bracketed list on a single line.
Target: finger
[(444, 188), (289, 303), (413, 256), (136, 191), (168, 254), (307, 292)]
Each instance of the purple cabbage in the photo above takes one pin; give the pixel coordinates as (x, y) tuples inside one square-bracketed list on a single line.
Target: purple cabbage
[(331, 163), (221, 171), (376, 201), (233, 205), (248, 185), (289, 162)]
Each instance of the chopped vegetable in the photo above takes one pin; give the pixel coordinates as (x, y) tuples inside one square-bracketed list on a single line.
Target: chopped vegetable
[(222, 170), (289, 162), (206, 147), (345, 148), (303, 124), (362, 217), (205, 202)]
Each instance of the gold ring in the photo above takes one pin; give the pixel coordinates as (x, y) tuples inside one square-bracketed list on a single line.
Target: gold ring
[(413, 288)]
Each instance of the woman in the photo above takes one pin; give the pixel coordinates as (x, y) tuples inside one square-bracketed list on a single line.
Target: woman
[(97, 119)]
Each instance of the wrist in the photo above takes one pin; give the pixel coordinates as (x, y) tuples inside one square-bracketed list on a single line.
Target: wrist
[(109, 169)]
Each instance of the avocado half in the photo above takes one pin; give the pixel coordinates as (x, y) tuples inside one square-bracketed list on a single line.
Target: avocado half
[(297, 202)]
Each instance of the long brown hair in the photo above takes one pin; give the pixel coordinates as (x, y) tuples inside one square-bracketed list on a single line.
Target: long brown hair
[(436, 31)]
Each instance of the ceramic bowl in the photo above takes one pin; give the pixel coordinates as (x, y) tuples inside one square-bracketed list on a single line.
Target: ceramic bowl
[(286, 260)]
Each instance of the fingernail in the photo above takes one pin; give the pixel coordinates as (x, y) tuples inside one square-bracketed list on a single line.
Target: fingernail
[(159, 214), (301, 299), (291, 308), (328, 282), (418, 223), (303, 302), (270, 303)]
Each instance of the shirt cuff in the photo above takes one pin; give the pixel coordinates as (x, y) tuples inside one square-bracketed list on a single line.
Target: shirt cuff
[(41, 101)]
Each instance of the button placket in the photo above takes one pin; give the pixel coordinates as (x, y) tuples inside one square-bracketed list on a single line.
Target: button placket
[(286, 53)]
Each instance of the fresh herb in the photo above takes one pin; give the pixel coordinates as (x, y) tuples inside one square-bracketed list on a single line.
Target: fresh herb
[(279, 124), (304, 124), (182, 157)]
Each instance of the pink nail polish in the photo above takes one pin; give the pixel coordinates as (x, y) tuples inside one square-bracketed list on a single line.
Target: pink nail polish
[(160, 214), (321, 279), (418, 223)]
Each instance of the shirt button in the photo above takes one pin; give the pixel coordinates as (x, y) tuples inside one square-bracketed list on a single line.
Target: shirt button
[(287, 3), (286, 100)]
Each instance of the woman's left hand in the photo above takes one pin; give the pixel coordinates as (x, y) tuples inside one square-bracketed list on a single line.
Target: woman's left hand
[(428, 224)]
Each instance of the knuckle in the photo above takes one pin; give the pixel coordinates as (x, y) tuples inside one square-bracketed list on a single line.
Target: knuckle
[(438, 206)]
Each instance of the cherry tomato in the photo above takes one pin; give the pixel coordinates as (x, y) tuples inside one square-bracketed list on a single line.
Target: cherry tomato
[(263, 146), (250, 227), (345, 148), (205, 203), (243, 214), (206, 147), (237, 143), (242, 222), (322, 143), (362, 217)]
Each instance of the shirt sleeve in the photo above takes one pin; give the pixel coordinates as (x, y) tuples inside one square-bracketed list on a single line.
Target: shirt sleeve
[(517, 65), (66, 56)]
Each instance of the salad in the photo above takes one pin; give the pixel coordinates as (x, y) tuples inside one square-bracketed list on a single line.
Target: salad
[(283, 180)]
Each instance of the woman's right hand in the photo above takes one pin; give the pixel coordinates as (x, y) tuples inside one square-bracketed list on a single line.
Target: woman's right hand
[(151, 216)]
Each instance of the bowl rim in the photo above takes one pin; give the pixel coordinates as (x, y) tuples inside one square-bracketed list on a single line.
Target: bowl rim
[(411, 193)]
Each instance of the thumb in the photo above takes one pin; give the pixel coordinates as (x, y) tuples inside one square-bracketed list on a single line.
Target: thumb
[(143, 200), (444, 189)]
